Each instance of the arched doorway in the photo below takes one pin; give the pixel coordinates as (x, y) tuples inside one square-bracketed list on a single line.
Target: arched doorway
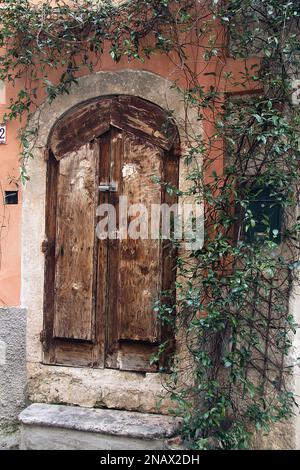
[(99, 294)]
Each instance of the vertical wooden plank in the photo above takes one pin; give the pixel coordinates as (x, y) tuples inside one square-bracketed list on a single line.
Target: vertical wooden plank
[(102, 250), (113, 292), (75, 237)]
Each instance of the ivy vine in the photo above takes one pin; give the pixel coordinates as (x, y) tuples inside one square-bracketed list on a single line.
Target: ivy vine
[(232, 307)]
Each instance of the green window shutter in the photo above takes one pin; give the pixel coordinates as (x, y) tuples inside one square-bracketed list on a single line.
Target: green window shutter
[(267, 213)]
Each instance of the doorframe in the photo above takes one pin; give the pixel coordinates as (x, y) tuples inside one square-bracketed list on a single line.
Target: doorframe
[(108, 117), (143, 84)]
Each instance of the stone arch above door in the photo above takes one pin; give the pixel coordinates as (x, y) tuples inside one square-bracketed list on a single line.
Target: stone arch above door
[(152, 88), (142, 84)]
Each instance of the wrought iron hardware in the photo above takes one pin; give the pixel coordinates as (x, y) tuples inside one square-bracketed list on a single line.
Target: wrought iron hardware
[(108, 187)]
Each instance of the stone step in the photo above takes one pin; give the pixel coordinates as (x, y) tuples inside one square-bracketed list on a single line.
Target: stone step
[(45, 426)]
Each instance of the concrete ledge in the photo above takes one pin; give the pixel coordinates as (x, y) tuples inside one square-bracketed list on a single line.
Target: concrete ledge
[(69, 427)]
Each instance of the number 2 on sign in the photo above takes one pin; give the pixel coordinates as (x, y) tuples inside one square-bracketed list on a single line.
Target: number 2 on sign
[(2, 134)]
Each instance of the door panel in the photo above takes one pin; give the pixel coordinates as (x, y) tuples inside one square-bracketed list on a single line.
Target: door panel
[(134, 264), (75, 241), (139, 273)]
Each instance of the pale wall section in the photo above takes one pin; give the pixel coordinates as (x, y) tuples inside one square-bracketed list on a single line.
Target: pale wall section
[(71, 385), (12, 368), (2, 92)]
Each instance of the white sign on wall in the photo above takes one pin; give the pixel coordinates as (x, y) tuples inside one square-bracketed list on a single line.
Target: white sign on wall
[(2, 133)]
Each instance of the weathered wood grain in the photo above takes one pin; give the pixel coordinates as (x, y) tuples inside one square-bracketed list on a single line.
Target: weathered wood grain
[(139, 270), (75, 238), (136, 356), (80, 126), (113, 292), (144, 119), (134, 264), (92, 119), (102, 261)]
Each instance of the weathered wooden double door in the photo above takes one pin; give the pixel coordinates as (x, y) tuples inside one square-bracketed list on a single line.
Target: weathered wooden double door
[(99, 293)]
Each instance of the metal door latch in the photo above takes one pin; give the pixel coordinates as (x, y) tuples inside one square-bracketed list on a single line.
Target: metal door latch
[(108, 187)]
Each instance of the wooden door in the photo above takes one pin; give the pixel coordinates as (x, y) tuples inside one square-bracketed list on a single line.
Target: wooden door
[(99, 294)]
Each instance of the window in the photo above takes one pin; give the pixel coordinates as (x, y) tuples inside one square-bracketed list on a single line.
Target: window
[(266, 214)]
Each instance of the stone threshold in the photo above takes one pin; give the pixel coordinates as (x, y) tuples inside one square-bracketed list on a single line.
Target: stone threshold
[(47, 426)]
